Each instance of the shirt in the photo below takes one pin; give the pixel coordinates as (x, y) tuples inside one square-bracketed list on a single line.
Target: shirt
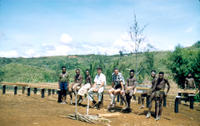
[(64, 77), (116, 79), (99, 79)]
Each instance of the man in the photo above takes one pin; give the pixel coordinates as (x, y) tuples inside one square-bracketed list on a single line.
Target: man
[(117, 88), (130, 88), (159, 88), (63, 84), (98, 87), (152, 94), (189, 82), (76, 85), (84, 89)]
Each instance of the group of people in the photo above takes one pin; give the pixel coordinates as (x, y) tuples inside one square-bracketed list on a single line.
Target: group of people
[(125, 89)]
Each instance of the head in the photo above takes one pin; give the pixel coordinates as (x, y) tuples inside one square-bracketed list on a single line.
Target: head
[(63, 69), (77, 71), (161, 75), (116, 71), (99, 70), (189, 75), (132, 72), (153, 73), (87, 72)]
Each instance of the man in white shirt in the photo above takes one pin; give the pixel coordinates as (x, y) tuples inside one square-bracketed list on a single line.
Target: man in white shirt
[(98, 87)]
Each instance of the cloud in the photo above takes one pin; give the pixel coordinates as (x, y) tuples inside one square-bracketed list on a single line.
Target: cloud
[(189, 29), (10, 53), (65, 38)]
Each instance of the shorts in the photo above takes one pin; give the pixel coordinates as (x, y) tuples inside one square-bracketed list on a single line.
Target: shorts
[(159, 94), (118, 87)]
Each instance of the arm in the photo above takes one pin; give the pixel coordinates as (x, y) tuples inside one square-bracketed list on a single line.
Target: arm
[(122, 85), (185, 84), (168, 87)]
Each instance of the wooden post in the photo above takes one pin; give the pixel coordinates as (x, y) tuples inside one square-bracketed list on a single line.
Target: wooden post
[(23, 89), (35, 90), (191, 98), (28, 91), (139, 99), (4, 89), (164, 101), (42, 93), (179, 94), (147, 101), (178, 98), (49, 92), (15, 89), (53, 91), (59, 96)]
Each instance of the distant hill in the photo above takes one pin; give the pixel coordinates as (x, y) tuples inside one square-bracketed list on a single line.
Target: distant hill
[(46, 69)]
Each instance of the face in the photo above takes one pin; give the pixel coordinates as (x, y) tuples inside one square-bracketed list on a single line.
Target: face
[(131, 74), (116, 72), (87, 72), (161, 76), (189, 75), (99, 71), (63, 70), (77, 71), (153, 74)]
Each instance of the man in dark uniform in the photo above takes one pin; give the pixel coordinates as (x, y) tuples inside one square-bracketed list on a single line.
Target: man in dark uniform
[(159, 88), (63, 84), (84, 89), (189, 82), (118, 84), (130, 88), (152, 94), (74, 87)]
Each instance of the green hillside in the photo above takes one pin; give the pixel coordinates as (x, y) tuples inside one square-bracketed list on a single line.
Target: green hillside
[(46, 69)]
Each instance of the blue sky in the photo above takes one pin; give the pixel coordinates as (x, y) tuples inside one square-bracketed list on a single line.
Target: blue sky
[(33, 28)]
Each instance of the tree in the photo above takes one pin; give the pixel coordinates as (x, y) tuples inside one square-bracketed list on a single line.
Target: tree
[(137, 37)]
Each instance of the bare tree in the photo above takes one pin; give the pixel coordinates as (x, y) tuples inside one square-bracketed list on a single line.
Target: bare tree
[(136, 35)]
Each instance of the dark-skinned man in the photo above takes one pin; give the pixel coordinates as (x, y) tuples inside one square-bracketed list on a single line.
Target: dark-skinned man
[(189, 82), (159, 89), (63, 84), (74, 87), (130, 88), (152, 94)]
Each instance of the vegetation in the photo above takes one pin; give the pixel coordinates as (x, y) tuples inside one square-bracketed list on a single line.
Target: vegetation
[(175, 64)]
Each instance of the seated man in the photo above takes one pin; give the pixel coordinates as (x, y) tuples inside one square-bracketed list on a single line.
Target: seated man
[(117, 88), (74, 87), (159, 88), (98, 87), (84, 89), (130, 88), (189, 82), (63, 84)]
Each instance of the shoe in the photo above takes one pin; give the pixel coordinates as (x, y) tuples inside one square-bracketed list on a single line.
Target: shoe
[(148, 115), (142, 106), (157, 118)]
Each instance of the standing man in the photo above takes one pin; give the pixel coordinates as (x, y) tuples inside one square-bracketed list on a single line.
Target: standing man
[(117, 88), (159, 88), (151, 93), (63, 84), (84, 89), (189, 82), (76, 85), (130, 88), (98, 87)]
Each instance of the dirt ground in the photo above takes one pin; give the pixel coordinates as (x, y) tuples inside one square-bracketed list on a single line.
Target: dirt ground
[(22, 110)]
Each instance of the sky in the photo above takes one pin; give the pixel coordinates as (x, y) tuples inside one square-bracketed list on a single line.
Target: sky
[(35, 28)]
